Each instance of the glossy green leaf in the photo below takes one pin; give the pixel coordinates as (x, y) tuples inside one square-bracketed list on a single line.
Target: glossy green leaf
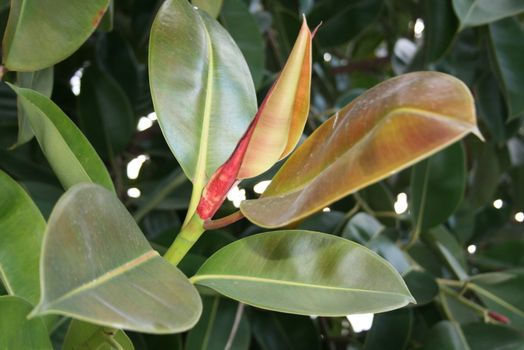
[(243, 27), (507, 46), (69, 153), (16, 331), (446, 335), (41, 81), (476, 12), (85, 336), (492, 107), (380, 199), (213, 330), (362, 228), (422, 286), (437, 187), (390, 330), (106, 115), (411, 116), (484, 176), (278, 331), (482, 336), (106, 23), (21, 232), (201, 87), (39, 36), (304, 272), (212, 7), (92, 252)]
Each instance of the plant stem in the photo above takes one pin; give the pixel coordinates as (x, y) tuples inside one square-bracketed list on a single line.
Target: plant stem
[(234, 329), (223, 222), (185, 239)]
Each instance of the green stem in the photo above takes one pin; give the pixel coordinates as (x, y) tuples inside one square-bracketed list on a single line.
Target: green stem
[(187, 237)]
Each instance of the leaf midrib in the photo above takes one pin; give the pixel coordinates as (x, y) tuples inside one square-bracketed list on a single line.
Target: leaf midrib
[(198, 278), (141, 259), (359, 144)]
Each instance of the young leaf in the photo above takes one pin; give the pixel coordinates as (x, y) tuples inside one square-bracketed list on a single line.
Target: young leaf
[(273, 133), (41, 81), (16, 331), (306, 273), (388, 128), (71, 156), (507, 46), (21, 232), (201, 88), (98, 267), (437, 187), (477, 12), (39, 36), (84, 336)]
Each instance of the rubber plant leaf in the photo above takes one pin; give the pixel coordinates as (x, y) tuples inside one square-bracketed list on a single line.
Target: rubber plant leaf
[(201, 87), (275, 130), (40, 34), (388, 128)]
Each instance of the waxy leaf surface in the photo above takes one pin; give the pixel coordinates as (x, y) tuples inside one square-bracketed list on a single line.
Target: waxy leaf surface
[(304, 272), (39, 34), (98, 267), (388, 128), (16, 331), (68, 151), (477, 12), (201, 87), (273, 133), (21, 231)]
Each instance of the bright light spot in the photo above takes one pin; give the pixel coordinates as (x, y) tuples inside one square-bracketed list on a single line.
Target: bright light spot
[(382, 50), (236, 195), (360, 322), (472, 249), (419, 28), (75, 81), (401, 205), (144, 123), (327, 57), (152, 116), (261, 186), (326, 210), (134, 165), (133, 192), (519, 217), (498, 203)]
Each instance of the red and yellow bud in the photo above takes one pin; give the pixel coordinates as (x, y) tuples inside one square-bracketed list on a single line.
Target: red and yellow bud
[(275, 130)]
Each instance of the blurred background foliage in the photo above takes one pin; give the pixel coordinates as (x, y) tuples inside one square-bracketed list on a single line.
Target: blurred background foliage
[(464, 204)]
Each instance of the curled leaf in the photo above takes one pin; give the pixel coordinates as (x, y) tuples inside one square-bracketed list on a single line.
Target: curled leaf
[(388, 128)]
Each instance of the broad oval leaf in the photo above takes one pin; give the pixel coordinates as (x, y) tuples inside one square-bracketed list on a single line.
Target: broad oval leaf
[(98, 267), (437, 187), (446, 335), (212, 7), (21, 232), (391, 330), (68, 151), (201, 88), (16, 331), (39, 36), (477, 12), (388, 128), (306, 273)]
